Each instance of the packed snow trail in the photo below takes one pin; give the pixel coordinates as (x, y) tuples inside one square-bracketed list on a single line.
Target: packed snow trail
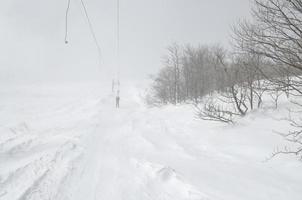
[(116, 165), (72, 143), (108, 161)]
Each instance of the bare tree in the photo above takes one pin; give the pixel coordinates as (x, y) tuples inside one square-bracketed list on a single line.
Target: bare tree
[(212, 111), (173, 60), (276, 34), (294, 136)]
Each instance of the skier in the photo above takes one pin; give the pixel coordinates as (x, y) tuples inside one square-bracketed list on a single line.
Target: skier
[(117, 100)]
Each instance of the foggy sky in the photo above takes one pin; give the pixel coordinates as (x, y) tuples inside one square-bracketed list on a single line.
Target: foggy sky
[(32, 35)]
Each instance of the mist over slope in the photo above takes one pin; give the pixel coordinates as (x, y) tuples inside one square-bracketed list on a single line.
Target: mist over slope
[(33, 47)]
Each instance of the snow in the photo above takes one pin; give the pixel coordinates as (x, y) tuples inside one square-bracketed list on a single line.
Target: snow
[(68, 141)]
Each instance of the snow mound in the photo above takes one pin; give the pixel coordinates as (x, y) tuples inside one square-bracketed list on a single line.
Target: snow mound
[(163, 182)]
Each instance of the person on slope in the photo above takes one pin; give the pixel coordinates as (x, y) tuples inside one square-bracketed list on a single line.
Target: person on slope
[(117, 100)]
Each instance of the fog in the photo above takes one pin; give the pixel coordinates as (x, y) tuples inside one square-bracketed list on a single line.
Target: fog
[(32, 36)]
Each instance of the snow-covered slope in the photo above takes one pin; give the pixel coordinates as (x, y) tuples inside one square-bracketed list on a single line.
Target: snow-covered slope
[(69, 142)]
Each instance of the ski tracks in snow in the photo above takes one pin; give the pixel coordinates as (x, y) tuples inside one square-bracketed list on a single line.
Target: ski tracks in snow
[(36, 160), (120, 160), (111, 154)]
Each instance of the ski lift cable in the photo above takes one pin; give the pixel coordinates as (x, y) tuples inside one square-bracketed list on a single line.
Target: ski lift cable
[(92, 30), (118, 41), (66, 22), (89, 24)]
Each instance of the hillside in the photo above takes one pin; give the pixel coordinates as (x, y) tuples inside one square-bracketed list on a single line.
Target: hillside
[(70, 142)]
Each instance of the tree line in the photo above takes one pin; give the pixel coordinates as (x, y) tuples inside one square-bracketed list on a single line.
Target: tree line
[(266, 60)]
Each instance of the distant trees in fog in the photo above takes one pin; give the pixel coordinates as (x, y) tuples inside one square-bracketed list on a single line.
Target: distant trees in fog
[(188, 74)]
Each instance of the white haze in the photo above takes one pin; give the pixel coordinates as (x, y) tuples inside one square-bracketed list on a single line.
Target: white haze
[(32, 35)]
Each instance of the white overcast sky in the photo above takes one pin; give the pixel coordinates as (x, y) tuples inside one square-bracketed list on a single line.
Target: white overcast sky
[(32, 35)]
